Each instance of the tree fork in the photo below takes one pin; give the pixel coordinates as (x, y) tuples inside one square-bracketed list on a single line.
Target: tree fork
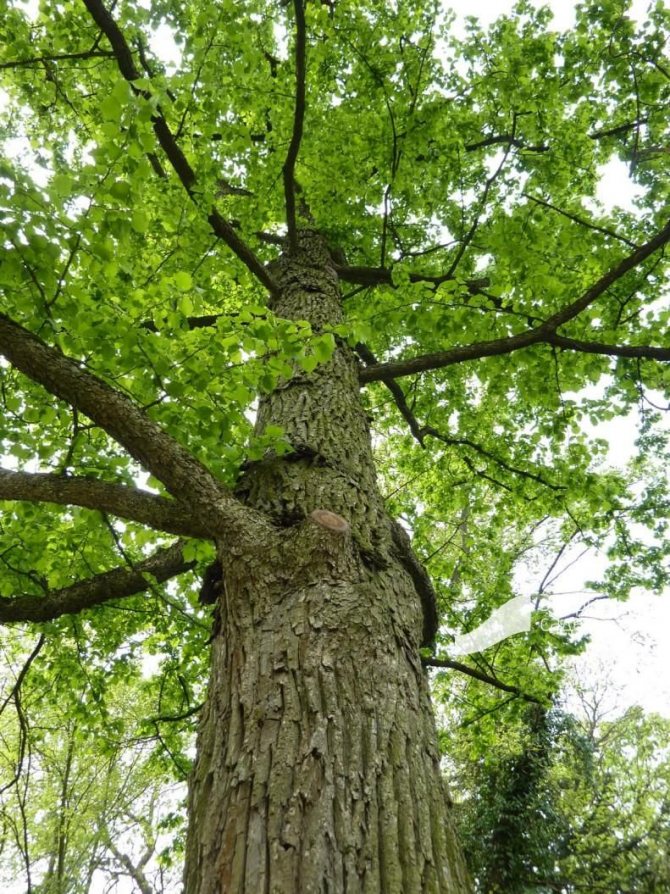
[(318, 768)]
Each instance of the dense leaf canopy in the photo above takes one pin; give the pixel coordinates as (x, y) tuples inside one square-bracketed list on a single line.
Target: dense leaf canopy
[(151, 166)]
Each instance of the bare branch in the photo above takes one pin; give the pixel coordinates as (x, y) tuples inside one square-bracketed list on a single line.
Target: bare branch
[(157, 451), (168, 143), (545, 333), (119, 583), (117, 499), (479, 675), (298, 120)]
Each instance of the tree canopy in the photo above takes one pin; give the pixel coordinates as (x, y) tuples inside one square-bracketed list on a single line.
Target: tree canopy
[(502, 316)]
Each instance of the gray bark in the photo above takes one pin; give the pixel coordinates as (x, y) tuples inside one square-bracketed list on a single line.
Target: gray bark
[(317, 766)]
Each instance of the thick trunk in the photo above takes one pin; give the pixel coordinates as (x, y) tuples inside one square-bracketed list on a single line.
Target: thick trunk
[(317, 767)]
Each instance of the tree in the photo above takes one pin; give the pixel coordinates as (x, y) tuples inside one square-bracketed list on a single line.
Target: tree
[(569, 802), (217, 275)]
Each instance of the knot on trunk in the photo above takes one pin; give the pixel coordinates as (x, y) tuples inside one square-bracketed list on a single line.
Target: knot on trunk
[(329, 520)]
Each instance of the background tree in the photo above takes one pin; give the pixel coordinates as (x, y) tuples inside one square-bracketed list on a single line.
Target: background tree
[(567, 801), (191, 254)]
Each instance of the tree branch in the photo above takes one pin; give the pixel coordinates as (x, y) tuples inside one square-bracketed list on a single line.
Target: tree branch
[(545, 333), (482, 451), (469, 236), (59, 57), (15, 694), (116, 584), (117, 499), (608, 279), (580, 220), (377, 276), (642, 352), (506, 139), (157, 451), (398, 394), (298, 120), (168, 143), (478, 675), (511, 140)]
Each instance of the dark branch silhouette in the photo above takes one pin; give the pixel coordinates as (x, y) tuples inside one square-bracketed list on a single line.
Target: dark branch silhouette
[(479, 675), (512, 140), (57, 57), (377, 276), (580, 220), (420, 432), (641, 352), (298, 120)]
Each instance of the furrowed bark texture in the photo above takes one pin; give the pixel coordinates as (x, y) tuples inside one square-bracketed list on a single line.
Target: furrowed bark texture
[(317, 767)]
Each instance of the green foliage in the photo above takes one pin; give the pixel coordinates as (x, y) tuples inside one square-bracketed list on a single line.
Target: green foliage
[(475, 158), (566, 802)]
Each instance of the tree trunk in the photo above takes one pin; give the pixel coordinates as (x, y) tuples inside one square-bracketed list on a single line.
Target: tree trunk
[(317, 766)]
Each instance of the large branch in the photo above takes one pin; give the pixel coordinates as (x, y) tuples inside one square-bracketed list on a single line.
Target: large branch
[(288, 169), (157, 451), (116, 584), (117, 499), (168, 143), (608, 279), (639, 352), (545, 333)]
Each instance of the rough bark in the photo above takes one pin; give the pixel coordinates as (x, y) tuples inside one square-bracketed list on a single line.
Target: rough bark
[(317, 766), (141, 506), (118, 583)]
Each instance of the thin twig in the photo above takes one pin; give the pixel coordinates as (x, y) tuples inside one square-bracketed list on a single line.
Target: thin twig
[(580, 220), (479, 675)]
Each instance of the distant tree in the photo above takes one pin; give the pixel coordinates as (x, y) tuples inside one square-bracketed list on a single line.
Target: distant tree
[(327, 227), (569, 803)]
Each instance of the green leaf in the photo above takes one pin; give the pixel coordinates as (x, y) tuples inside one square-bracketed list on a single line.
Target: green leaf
[(139, 221), (183, 280)]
